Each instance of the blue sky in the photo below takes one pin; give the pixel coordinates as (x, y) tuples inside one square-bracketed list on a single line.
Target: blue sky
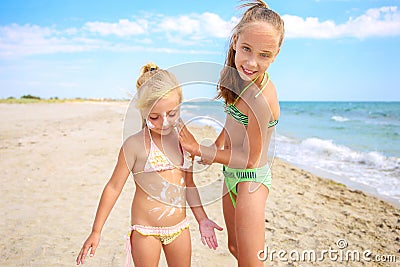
[(345, 50)]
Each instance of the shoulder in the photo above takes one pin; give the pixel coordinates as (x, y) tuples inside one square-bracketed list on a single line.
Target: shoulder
[(135, 137), (133, 149), (134, 142), (264, 103), (270, 94), (267, 92)]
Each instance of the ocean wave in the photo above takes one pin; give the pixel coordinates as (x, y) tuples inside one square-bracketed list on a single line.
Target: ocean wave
[(377, 114), (372, 169), (328, 148), (339, 118)]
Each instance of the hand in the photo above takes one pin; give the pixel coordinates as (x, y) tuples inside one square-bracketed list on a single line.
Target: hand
[(204, 162), (207, 233), (188, 141), (91, 243), (207, 158)]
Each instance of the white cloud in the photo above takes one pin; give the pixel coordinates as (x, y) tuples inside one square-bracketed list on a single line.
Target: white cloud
[(182, 24), (124, 27), (376, 22), (19, 40), (196, 26)]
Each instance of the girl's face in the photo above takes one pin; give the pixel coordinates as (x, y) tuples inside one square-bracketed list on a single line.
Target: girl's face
[(164, 115), (256, 47)]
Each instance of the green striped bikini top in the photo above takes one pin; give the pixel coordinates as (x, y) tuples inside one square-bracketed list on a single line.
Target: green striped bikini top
[(237, 115)]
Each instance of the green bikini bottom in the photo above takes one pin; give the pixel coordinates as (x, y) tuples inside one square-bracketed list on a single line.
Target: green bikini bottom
[(234, 176)]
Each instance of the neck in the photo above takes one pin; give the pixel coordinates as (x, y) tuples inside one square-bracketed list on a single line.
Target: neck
[(260, 80)]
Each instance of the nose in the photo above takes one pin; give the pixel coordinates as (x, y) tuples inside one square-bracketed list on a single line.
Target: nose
[(251, 60), (165, 120)]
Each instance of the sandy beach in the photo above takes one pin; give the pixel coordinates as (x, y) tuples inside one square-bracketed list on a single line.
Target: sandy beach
[(56, 159)]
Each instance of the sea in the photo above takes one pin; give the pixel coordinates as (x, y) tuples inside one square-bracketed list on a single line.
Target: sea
[(353, 143)]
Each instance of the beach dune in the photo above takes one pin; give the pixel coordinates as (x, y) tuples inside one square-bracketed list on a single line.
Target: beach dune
[(56, 159)]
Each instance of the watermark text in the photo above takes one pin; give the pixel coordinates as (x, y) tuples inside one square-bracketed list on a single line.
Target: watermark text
[(339, 253)]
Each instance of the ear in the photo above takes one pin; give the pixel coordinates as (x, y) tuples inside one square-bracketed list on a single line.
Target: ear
[(144, 113), (234, 40)]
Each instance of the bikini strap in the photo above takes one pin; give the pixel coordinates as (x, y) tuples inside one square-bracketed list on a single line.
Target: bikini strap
[(266, 75), (244, 90), (264, 86), (151, 139), (152, 144)]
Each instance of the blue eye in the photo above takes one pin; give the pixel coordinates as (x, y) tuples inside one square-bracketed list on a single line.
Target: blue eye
[(246, 49)]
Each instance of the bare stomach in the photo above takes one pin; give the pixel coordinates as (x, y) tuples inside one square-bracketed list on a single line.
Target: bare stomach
[(166, 208)]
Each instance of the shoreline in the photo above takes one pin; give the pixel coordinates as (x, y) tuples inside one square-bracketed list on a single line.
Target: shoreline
[(55, 164), (351, 185)]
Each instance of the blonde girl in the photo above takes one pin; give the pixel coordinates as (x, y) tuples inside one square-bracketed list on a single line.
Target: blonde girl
[(163, 179), (252, 109)]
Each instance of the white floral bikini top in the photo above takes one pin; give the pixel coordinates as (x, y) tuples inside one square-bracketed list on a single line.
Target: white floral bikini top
[(157, 161)]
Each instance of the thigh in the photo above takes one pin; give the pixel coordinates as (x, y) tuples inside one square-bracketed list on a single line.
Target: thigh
[(146, 250), (229, 215), (250, 234), (178, 252)]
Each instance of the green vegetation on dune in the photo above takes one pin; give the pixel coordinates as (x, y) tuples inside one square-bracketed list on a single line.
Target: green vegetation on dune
[(29, 99)]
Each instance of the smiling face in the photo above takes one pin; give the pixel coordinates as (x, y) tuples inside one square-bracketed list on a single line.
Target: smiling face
[(164, 114), (256, 47)]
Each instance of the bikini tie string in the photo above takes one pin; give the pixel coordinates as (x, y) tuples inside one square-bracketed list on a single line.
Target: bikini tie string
[(128, 251)]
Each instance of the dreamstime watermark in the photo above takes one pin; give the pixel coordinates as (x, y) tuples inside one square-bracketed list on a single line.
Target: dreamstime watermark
[(340, 253)]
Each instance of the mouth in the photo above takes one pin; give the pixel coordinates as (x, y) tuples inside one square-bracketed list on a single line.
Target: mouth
[(248, 72), (165, 129)]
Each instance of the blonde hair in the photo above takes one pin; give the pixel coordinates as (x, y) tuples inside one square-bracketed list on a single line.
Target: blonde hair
[(153, 84), (258, 11)]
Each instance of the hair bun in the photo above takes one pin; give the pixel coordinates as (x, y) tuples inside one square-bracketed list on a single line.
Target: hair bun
[(148, 67), (255, 3)]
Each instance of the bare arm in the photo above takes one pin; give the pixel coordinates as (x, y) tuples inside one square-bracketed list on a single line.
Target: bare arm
[(110, 194), (206, 225), (259, 115), (211, 154), (219, 142)]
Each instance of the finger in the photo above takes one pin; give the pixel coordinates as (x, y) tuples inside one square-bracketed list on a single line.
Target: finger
[(93, 250), (180, 124), (81, 256), (214, 246), (85, 251), (203, 240), (215, 242), (78, 259), (219, 228), (209, 243), (182, 133)]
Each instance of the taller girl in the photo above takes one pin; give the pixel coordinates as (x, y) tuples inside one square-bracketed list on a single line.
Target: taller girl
[(252, 109)]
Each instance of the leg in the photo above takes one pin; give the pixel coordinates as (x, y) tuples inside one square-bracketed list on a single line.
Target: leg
[(178, 252), (229, 216), (250, 234), (145, 250)]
